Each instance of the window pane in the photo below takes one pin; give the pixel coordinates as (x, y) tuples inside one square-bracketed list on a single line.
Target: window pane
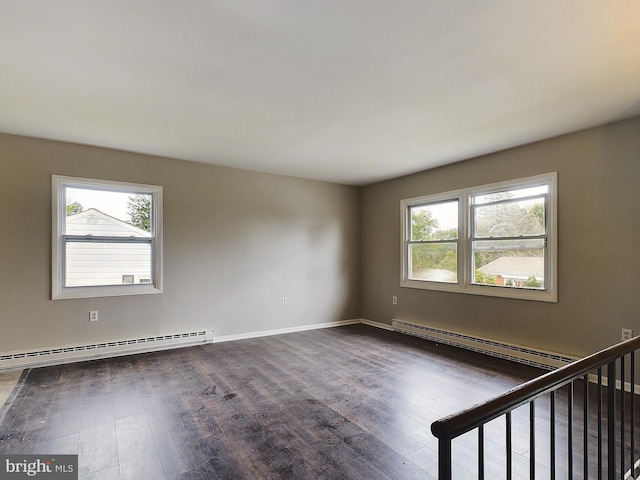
[(434, 262), (90, 264), (510, 219), (509, 263), (510, 194), (107, 213), (436, 221)]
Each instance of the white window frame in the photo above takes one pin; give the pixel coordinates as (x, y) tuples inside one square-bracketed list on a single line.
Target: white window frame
[(58, 289), (465, 256)]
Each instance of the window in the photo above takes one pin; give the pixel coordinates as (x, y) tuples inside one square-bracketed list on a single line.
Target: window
[(107, 238), (433, 241), (497, 240)]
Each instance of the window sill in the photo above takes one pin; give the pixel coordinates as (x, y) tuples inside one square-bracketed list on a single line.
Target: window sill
[(105, 291), (488, 291)]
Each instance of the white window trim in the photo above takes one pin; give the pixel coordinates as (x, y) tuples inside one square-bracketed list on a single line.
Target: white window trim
[(464, 285), (58, 215)]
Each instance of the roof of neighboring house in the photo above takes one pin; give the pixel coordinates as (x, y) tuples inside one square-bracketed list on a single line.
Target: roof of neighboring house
[(92, 222), (515, 267)]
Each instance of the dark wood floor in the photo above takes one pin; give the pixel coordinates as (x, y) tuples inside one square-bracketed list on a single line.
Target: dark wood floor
[(351, 402)]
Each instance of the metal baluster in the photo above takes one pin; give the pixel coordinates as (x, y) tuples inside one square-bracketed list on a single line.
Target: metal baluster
[(532, 440), (481, 452), (444, 459), (552, 435), (570, 432), (622, 402), (632, 423), (611, 419), (586, 426), (600, 423), (509, 446)]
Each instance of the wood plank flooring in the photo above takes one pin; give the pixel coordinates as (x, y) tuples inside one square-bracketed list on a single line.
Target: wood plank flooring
[(8, 381), (351, 402)]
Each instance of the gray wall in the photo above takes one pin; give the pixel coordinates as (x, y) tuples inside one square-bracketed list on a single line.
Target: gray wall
[(599, 245), (235, 243)]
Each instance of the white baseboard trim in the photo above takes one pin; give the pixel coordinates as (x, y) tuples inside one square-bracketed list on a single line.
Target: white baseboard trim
[(371, 323), (280, 331)]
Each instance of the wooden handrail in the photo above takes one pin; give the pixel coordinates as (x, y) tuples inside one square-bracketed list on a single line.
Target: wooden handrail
[(454, 425)]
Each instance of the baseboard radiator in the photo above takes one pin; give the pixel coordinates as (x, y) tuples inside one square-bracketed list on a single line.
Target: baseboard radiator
[(508, 351), (92, 351)]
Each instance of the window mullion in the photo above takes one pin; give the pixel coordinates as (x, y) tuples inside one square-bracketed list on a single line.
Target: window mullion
[(465, 225), (542, 236), (427, 242), (105, 239), (514, 248), (508, 200)]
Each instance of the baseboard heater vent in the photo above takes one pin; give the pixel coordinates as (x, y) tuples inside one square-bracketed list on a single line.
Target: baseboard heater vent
[(60, 355), (515, 353)]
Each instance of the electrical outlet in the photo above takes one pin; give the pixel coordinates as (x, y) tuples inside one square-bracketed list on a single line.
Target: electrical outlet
[(284, 300), (93, 316), (627, 334), (394, 300)]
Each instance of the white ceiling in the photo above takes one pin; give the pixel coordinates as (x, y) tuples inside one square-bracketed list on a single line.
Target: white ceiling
[(348, 91)]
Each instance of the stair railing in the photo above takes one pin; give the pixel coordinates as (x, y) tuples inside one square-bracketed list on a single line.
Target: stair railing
[(600, 440)]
